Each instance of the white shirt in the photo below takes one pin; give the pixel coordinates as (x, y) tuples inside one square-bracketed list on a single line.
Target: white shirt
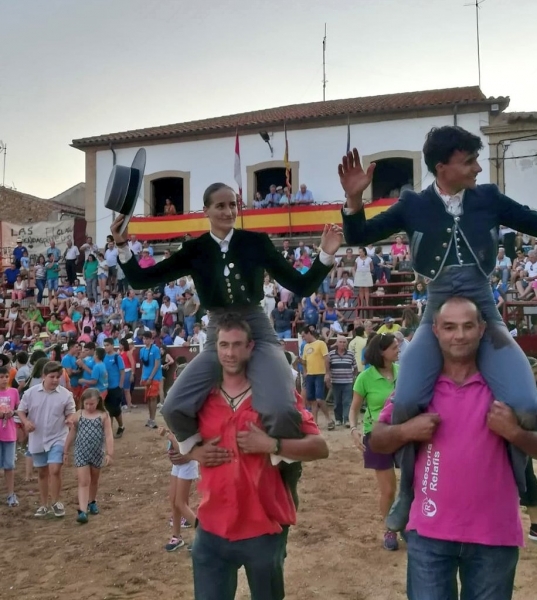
[(179, 341), (171, 308), (453, 203), (72, 253), (135, 247), (199, 338), (47, 411), (531, 268), (362, 264), (110, 256)]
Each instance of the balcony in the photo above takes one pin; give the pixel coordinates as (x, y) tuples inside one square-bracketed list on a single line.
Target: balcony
[(288, 220)]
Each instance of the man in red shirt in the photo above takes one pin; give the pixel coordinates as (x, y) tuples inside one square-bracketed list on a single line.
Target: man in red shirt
[(246, 509)]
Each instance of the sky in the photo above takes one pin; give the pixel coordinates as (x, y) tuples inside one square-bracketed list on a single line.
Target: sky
[(76, 68)]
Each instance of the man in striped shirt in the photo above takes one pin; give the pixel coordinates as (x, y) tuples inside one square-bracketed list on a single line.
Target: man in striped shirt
[(343, 372)]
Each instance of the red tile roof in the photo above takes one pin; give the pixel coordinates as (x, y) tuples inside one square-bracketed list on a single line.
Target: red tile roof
[(370, 105)]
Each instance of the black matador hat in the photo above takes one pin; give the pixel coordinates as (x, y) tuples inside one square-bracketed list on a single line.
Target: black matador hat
[(124, 187)]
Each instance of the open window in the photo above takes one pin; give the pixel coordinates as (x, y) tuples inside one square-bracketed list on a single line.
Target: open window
[(167, 187), (264, 178), (391, 176)]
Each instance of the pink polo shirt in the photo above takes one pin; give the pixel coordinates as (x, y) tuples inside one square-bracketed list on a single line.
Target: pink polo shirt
[(464, 487)]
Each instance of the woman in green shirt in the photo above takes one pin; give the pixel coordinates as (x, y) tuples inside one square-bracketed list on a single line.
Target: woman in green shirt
[(33, 317), (54, 325), (90, 275), (373, 387)]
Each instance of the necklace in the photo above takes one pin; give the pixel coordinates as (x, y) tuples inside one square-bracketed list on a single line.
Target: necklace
[(234, 401)]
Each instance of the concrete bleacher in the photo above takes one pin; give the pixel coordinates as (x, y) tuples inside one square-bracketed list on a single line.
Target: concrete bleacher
[(396, 297)]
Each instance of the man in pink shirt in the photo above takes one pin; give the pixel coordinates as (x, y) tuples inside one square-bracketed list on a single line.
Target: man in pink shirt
[(465, 513)]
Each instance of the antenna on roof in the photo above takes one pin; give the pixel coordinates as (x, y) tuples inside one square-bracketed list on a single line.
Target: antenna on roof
[(324, 64), (477, 4), (3, 148)]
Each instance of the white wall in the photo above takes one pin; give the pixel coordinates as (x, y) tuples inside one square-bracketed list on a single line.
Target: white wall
[(319, 152), (521, 173)]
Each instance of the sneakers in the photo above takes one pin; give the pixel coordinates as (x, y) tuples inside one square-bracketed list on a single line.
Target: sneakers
[(58, 509), (119, 432), (184, 523), (338, 423), (174, 544), (151, 424), (331, 426), (82, 517), (42, 511), (533, 532), (390, 541), (347, 425), (12, 500), (93, 509)]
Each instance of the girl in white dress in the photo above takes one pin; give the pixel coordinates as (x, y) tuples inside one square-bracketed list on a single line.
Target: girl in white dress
[(269, 300), (363, 278)]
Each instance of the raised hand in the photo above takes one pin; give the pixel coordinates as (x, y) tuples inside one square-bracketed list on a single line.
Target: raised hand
[(354, 180), (331, 238), (114, 229)]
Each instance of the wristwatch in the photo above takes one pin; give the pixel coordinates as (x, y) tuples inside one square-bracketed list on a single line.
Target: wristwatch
[(278, 446)]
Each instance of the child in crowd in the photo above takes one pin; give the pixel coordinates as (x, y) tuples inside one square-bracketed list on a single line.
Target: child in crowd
[(344, 289), (181, 479), (9, 400), (45, 411), (99, 375), (91, 431)]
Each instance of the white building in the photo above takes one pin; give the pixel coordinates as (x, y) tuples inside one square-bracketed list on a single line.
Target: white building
[(183, 159), (513, 155)]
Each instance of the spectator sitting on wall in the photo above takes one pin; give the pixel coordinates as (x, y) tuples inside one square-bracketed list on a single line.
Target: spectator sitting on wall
[(503, 265), (272, 199), (304, 196)]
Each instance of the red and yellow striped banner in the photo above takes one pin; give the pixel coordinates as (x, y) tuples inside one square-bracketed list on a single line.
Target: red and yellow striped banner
[(297, 219)]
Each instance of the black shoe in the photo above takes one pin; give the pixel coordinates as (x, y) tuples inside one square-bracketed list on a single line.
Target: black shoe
[(533, 532), (397, 518), (120, 431)]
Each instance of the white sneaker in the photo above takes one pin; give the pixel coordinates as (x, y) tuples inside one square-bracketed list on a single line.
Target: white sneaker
[(346, 305), (42, 511), (12, 500), (58, 509)]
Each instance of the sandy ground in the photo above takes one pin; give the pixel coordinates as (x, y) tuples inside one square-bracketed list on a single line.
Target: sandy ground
[(334, 552)]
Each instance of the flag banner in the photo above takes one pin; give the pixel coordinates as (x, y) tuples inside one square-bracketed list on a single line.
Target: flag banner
[(238, 175)]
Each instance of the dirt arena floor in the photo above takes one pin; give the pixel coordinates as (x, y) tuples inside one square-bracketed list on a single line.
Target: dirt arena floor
[(334, 552)]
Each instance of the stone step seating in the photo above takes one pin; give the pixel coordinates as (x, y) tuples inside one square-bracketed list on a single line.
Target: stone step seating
[(397, 296)]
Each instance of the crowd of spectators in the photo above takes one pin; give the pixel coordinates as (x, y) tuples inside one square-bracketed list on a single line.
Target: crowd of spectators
[(281, 196), (88, 297)]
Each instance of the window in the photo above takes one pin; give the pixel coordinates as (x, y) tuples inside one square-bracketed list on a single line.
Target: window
[(390, 175), (167, 187), (264, 178)]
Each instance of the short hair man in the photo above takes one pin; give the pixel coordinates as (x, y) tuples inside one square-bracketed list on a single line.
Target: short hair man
[(316, 363), (465, 514), (44, 412), (237, 472)]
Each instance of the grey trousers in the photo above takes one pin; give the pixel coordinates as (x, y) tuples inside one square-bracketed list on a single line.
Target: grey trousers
[(501, 361), (268, 371)]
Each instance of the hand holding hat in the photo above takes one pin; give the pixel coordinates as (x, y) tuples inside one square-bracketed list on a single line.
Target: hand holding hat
[(122, 192)]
